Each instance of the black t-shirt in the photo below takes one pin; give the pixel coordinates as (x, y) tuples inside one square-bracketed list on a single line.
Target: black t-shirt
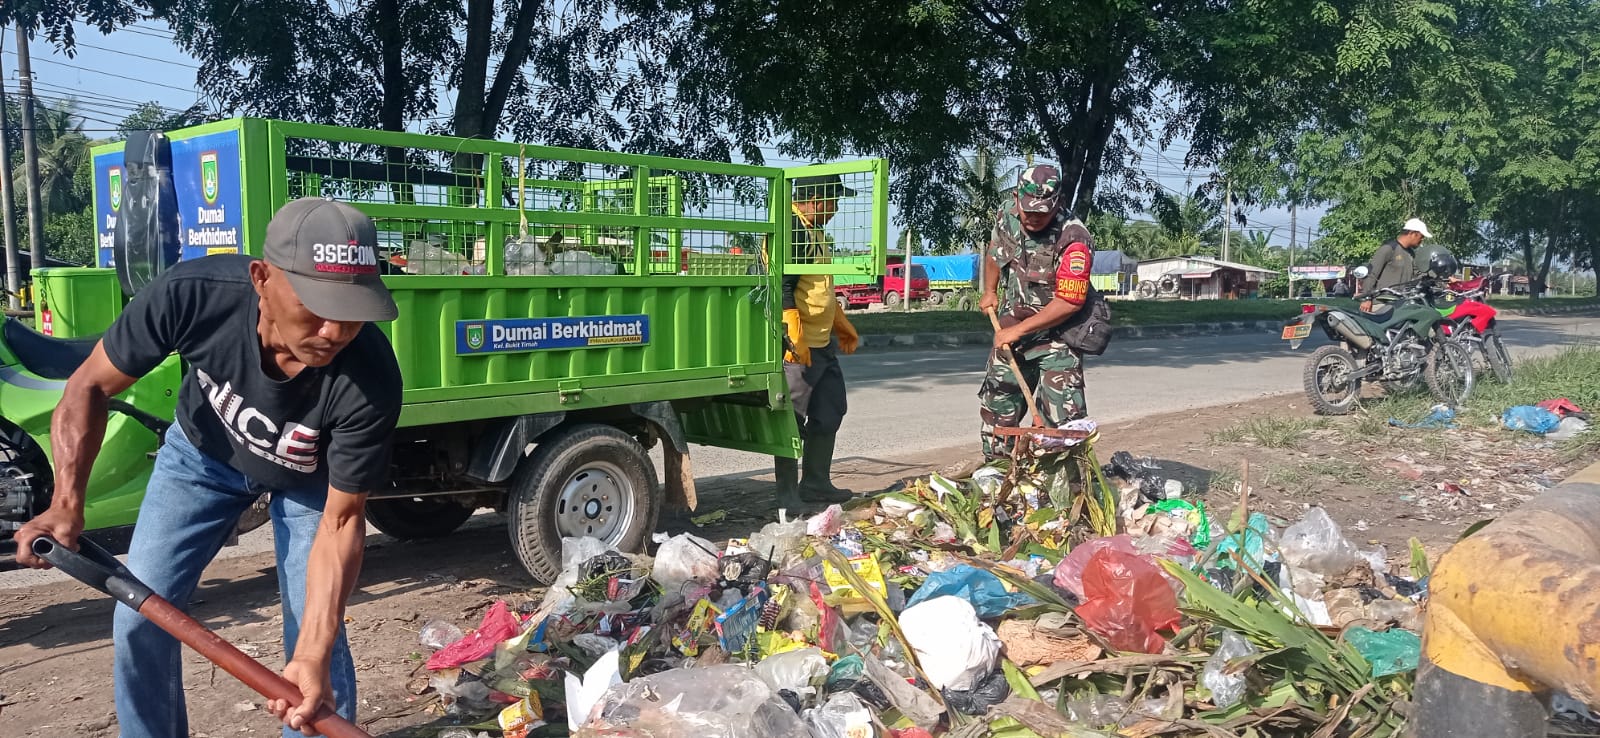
[(327, 425)]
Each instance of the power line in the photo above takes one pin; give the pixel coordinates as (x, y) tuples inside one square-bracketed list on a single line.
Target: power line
[(138, 56), (109, 74)]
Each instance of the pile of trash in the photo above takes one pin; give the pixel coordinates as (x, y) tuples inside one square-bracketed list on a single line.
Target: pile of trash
[(1051, 598)]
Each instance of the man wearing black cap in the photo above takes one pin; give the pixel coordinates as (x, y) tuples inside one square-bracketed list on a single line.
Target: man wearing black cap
[(816, 331), (1042, 254), (289, 390)]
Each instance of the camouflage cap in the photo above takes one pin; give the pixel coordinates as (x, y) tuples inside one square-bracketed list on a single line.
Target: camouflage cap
[(1038, 189)]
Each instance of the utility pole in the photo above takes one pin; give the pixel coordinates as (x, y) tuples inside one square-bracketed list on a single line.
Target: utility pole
[(1227, 216), (1292, 234), (30, 151), (905, 282), (8, 197)]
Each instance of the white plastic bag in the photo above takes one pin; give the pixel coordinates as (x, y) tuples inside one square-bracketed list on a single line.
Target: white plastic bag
[(1227, 689), (726, 701), (797, 671), (842, 716), (524, 257), (955, 648), (682, 558)]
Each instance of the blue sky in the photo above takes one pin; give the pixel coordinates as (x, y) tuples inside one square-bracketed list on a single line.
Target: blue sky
[(110, 75)]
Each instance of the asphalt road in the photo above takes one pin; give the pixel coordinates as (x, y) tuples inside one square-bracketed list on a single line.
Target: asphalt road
[(904, 401)]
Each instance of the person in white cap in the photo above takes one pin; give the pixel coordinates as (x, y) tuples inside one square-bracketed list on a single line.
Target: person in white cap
[(1395, 262), (290, 389)]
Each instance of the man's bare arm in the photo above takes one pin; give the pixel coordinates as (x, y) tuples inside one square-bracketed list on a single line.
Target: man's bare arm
[(77, 428)]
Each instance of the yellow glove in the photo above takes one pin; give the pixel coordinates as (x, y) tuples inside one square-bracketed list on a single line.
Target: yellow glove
[(849, 340), (798, 351)]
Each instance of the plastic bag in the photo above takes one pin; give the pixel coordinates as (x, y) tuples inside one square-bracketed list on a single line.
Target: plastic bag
[(1069, 573), (1127, 599), (1568, 429), (437, 634), (1392, 651), (1097, 710), (983, 590), (778, 541), (797, 671), (827, 523), (682, 558), (913, 703), (1227, 688), (498, 625), (726, 701), (1316, 545), (991, 691), (1536, 420), (581, 262), (1250, 544), (842, 716), (524, 257), (955, 648)]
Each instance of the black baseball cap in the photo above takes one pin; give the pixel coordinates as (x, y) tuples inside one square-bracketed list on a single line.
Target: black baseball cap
[(329, 250), (820, 187)]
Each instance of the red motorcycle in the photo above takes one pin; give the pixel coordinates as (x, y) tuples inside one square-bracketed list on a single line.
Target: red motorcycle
[(1473, 323)]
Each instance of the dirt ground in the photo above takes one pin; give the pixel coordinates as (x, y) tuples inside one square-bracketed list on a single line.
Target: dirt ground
[(1384, 485)]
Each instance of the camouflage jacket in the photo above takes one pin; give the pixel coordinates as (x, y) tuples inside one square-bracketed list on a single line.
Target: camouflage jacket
[(1030, 262)]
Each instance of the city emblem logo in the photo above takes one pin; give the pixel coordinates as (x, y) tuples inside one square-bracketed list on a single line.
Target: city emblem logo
[(475, 336), (209, 179), (116, 188)]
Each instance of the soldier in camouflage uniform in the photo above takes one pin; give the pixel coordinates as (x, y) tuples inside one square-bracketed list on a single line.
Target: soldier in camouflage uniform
[(1042, 254)]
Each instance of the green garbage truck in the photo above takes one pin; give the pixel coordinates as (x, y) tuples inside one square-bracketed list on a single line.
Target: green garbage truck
[(562, 312)]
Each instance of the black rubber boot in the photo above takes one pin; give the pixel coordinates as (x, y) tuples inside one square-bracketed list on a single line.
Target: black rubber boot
[(787, 472), (817, 460)]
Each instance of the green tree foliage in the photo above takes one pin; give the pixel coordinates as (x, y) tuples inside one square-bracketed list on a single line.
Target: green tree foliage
[(65, 177), (150, 116), (1485, 130)]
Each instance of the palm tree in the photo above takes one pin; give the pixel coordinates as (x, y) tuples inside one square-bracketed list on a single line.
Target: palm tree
[(63, 148), (1192, 223), (982, 183)]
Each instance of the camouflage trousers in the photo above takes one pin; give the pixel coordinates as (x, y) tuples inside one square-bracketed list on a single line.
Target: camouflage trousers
[(1054, 371)]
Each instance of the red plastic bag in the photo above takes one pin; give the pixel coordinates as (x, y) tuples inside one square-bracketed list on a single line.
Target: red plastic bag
[(1126, 599), (498, 625), (1069, 573)]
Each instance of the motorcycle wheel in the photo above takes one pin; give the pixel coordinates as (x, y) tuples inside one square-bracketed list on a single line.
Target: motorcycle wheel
[(1450, 375), (1328, 383), (1499, 359)]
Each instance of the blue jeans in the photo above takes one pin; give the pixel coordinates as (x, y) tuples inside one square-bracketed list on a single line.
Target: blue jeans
[(188, 512)]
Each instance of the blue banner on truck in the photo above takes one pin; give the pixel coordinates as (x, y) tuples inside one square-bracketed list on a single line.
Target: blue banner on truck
[(540, 334), (205, 172)]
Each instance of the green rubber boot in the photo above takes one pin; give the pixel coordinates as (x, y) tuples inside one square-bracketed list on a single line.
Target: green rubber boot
[(817, 462), (788, 476)]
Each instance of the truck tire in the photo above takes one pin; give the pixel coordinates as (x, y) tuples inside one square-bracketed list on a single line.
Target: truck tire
[(967, 302), (416, 518), (936, 298), (891, 300), (587, 480), (844, 303)]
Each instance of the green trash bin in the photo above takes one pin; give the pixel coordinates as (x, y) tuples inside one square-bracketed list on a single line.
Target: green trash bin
[(73, 302)]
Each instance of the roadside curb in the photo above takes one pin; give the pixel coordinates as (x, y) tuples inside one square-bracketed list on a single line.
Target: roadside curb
[(1125, 332)]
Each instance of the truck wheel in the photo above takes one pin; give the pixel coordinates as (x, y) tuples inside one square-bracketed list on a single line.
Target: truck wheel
[(936, 298), (844, 304), (587, 481), (414, 518), (967, 302), (891, 300)]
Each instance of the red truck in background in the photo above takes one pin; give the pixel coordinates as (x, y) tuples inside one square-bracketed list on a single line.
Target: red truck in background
[(859, 292)]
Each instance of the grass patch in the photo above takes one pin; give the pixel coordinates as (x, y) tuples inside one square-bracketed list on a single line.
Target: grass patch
[(1573, 373), (1312, 476), (1269, 432), (1223, 481)]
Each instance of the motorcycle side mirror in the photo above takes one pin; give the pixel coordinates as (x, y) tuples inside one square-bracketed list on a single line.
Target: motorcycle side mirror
[(1361, 272)]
